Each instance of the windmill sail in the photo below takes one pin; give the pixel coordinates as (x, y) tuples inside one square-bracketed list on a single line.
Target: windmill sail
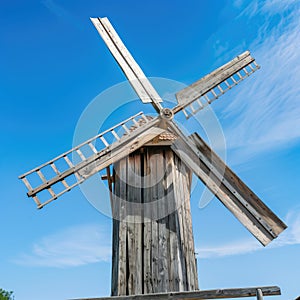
[(131, 69), (68, 170), (209, 88), (228, 188)]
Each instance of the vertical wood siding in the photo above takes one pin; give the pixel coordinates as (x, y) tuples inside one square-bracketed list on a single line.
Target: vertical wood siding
[(153, 245)]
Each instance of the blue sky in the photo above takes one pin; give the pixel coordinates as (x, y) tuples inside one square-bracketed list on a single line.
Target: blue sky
[(53, 64)]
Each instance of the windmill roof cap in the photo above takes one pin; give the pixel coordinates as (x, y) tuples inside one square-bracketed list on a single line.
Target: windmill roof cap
[(165, 136)]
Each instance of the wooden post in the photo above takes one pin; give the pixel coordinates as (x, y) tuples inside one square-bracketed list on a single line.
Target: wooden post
[(259, 294), (153, 245)]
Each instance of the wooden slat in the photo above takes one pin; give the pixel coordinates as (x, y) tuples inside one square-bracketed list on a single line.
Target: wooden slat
[(27, 184), (116, 211), (138, 232), (162, 278), (147, 179), (198, 295), (176, 280), (70, 164), (78, 151), (53, 166), (189, 240), (106, 144), (92, 147), (115, 135), (122, 272), (130, 254), (41, 175), (181, 225), (131, 69), (154, 228), (236, 196)]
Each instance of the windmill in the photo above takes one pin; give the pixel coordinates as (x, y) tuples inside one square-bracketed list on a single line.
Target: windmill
[(152, 159)]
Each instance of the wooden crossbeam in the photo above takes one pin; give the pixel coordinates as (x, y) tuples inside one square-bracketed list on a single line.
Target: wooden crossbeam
[(198, 295)]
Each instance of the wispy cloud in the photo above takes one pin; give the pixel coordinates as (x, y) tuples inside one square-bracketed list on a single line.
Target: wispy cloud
[(268, 113), (291, 236), (87, 244), (61, 12), (75, 246)]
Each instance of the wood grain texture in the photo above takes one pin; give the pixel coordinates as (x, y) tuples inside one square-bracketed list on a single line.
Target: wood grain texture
[(159, 250), (229, 189), (131, 69)]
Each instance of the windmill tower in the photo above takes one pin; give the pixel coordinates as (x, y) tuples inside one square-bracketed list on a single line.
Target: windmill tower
[(153, 248)]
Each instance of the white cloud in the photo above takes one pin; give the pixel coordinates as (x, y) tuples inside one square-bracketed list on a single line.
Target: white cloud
[(87, 244), (269, 7), (75, 246), (277, 6), (233, 248), (220, 48), (268, 112), (291, 236), (238, 3)]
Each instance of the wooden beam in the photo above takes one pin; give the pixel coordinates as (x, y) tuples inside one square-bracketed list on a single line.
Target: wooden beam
[(198, 295), (227, 187), (242, 192), (104, 158), (131, 69), (199, 88)]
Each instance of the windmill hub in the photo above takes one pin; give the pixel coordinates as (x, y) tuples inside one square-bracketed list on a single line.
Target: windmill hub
[(167, 114)]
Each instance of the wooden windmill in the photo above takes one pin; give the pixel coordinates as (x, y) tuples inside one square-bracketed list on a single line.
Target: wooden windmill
[(152, 159)]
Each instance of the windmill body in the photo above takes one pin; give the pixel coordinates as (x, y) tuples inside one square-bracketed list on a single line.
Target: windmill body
[(152, 159), (153, 247)]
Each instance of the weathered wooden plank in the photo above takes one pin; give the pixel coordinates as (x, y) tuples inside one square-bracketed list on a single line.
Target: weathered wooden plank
[(192, 269), (115, 259), (215, 185), (179, 227), (198, 295), (148, 284), (131, 69), (131, 254), (163, 278), (173, 258), (182, 224), (270, 219), (154, 227), (122, 272), (116, 205), (221, 187), (138, 218)]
